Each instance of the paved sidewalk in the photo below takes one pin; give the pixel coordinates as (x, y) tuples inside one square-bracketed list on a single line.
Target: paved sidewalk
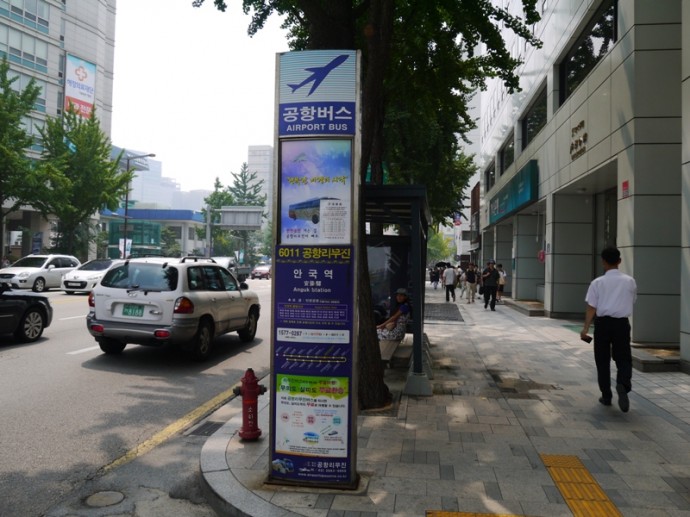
[(508, 390)]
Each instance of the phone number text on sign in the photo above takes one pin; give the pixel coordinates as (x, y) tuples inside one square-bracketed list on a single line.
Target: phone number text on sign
[(313, 335)]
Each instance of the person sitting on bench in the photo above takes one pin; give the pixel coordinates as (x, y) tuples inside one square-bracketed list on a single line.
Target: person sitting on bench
[(394, 327)]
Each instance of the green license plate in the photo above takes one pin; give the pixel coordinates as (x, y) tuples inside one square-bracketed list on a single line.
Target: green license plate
[(131, 309)]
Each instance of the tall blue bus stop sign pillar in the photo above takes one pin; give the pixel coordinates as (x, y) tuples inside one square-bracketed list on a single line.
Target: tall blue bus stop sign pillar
[(314, 322)]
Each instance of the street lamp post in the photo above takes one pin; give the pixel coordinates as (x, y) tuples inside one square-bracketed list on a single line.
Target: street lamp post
[(129, 158)]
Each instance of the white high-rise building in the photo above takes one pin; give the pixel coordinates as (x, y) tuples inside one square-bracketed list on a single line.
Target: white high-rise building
[(260, 161), (67, 47)]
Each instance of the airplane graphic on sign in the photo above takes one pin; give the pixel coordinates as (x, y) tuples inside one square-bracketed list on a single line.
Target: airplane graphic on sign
[(319, 73)]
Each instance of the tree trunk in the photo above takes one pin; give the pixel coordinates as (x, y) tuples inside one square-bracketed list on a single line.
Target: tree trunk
[(373, 392), (5, 252)]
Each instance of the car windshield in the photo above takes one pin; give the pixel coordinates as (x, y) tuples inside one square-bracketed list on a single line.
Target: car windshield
[(30, 262), (96, 265), (151, 277)]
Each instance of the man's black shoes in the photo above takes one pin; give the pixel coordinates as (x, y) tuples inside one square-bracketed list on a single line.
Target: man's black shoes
[(623, 401), (606, 402)]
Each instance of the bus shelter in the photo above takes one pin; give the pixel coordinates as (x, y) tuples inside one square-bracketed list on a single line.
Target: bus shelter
[(398, 259)]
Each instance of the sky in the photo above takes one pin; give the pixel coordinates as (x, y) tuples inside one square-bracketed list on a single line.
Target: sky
[(192, 87)]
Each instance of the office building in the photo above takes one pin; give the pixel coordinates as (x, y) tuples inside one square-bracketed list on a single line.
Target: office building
[(260, 161), (593, 152), (68, 48)]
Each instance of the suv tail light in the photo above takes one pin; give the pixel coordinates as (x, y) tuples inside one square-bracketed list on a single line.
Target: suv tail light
[(92, 303), (183, 306)]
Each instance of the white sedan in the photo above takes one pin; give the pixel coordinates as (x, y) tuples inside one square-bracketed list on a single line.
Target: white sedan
[(86, 277)]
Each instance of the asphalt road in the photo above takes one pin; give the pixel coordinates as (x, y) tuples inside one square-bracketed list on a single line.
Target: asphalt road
[(72, 418)]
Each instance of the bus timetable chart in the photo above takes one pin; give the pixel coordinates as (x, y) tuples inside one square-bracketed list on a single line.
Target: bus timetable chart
[(310, 312)]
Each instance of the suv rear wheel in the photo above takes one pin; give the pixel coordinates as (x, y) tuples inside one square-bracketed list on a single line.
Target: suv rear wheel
[(111, 346), (247, 333), (202, 341)]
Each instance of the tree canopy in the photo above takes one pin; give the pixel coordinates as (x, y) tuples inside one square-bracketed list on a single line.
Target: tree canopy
[(85, 179), (245, 190), (419, 70)]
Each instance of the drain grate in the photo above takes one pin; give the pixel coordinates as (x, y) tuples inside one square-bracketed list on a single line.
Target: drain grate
[(442, 312), (206, 429)]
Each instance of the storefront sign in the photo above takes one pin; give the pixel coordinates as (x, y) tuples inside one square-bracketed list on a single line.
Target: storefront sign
[(578, 141), (521, 190)]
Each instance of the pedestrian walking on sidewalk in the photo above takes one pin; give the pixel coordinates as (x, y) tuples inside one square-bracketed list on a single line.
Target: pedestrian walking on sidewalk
[(434, 277), (490, 278), (610, 300), (449, 279), (471, 283), (460, 281), (501, 283)]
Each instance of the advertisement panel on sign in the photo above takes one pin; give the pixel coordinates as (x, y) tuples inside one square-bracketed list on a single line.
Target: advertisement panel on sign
[(80, 85), (315, 190)]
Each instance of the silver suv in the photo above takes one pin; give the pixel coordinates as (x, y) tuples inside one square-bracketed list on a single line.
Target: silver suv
[(184, 302), (38, 272)]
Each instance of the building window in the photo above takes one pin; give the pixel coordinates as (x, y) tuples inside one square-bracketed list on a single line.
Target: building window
[(507, 153), (594, 43), (534, 120), (24, 49), (490, 177), (191, 234), (176, 231), (31, 13)]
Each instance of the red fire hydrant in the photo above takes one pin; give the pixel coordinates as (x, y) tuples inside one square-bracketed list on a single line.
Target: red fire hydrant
[(250, 391)]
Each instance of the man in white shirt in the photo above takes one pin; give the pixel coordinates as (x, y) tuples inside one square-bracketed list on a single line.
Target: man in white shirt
[(610, 300), (449, 279)]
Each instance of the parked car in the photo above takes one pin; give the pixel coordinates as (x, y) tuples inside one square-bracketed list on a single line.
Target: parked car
[(38, 272), (239, 270), (261, 271), (184, 302), (84, 278), (23, 314)]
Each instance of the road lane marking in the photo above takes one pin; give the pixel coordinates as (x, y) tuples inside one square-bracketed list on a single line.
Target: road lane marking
[(176, 427), (73, 317), (84, 350)]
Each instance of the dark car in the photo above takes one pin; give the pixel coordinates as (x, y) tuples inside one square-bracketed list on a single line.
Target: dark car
[(24, 314)]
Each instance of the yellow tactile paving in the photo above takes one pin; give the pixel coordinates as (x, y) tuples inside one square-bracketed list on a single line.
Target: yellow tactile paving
[(581, 492)]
